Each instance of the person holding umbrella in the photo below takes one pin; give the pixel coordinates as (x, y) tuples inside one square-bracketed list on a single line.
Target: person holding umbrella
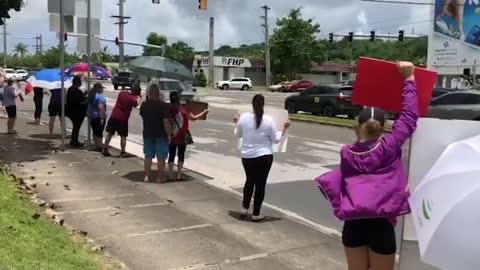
[(369, 190), (76, 109)]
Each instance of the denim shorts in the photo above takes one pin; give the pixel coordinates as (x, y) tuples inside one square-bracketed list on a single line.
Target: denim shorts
[(155, 148)]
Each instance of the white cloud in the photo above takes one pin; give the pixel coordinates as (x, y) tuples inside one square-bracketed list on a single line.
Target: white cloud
[(237, 21)]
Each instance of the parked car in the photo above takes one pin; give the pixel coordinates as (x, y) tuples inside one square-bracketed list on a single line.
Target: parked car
[(327, 100), (437, 92), (279, 87), (168, 85), (10, 73), (463, 105), (298, 85), (22, 74), (235, 83), (123, 79)]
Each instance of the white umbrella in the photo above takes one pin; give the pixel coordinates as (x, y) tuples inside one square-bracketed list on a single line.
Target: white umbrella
[(445, 208)]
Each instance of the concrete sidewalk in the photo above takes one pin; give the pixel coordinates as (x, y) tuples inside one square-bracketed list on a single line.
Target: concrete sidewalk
[(181, 225)]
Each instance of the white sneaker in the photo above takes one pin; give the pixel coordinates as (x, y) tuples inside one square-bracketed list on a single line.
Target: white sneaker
[(244, 211), (257, 218)]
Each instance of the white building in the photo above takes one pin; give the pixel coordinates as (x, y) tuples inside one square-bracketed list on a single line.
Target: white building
[(225, 68)]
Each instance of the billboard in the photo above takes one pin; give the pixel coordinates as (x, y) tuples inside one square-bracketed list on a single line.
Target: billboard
[(456, 33)]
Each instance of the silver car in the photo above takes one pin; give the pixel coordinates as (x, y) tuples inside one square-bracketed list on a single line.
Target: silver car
[(168, 85), (462, 105)]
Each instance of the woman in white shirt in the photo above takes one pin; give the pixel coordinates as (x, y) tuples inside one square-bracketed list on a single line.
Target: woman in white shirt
[(258, 134)]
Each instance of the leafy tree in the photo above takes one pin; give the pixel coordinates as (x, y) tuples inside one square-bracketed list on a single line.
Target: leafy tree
[(179, 51), (21, 49), (6, 6), (102, 56), (154, 39), (294, 44)]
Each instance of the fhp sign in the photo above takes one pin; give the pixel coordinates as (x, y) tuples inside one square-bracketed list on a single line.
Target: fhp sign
[(224, 62)]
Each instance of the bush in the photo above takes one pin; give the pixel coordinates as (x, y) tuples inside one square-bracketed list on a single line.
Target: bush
[(200, 79)]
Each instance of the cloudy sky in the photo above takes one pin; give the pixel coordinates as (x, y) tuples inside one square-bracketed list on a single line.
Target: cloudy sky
[(236, 21)]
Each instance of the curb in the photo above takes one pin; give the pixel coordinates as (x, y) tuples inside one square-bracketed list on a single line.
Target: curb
[(320, 122)]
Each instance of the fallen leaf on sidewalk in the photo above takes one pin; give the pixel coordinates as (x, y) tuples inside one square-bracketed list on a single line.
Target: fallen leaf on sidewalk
[(117, 207), (32, 177), (21, 181), (84, 233), (47, 184), (170, 201), (30, 192), (111, 163), (54, 151), (114, 172), (67, 187), (114, 214), (53, 206), (33, 185), (49, 173), (42, 204), (36, 216), (97, 248)]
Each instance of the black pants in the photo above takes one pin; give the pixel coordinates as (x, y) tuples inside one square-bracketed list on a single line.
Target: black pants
[(172, 152), (256, 170), (77, 122), (38, 107)]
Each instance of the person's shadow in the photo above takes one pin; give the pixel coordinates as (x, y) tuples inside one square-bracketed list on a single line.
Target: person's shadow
[(242, 217)]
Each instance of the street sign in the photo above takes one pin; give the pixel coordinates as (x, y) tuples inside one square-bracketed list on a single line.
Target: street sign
[(82, 28), (81, 9), (94, 44), (68, 7), (54, 23)]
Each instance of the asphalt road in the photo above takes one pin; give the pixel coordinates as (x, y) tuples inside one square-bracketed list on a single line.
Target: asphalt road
[(312, 150)]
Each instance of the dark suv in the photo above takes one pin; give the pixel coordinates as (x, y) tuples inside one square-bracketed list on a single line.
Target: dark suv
[(327, 100)]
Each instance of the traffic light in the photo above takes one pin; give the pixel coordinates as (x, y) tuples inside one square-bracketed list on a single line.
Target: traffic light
[(350, 36), (401, 35), (116, 41), (330, 37), (372, 35), (65, 36), (202, 4)]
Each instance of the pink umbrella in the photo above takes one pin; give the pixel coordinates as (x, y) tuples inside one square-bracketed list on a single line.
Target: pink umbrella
[(83, 68)]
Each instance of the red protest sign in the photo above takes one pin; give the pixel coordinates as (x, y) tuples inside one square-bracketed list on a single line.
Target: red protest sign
[(378, 84)]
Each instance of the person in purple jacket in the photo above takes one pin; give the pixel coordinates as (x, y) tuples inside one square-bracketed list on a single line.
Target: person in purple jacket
[(369, 190)]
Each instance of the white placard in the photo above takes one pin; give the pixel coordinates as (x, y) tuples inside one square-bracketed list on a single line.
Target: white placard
[(428, 142), (279, 118)]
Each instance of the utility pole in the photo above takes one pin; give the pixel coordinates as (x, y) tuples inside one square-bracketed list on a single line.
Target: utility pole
[(40, 44), (36, 44), (4, 44), (121, 22), (89, 56), (267, 46), (211, 54), (62, 74)]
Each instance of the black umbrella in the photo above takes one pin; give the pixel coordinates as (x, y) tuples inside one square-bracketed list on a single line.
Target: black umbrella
[(160, 67)]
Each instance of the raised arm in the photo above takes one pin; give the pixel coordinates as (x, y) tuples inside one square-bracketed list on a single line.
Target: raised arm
[(406, 123)]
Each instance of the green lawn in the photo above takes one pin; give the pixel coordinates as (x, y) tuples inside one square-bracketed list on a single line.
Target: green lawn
[(37, 244)]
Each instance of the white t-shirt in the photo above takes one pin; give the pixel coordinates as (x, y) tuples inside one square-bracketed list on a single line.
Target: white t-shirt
[(256, 142)]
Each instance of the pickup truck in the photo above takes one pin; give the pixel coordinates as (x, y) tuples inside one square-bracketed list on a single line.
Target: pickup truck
[(123, 79)]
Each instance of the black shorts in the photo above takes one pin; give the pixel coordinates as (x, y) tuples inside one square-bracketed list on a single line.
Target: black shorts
[(97, 127), (117, 126), (54, 109), (11, 111), (377, 234)]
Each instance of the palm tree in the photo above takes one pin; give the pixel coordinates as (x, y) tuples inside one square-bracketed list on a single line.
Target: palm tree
[(20, 49)]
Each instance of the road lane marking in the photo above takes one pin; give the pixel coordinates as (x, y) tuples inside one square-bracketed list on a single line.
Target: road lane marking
[(228, 261)]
